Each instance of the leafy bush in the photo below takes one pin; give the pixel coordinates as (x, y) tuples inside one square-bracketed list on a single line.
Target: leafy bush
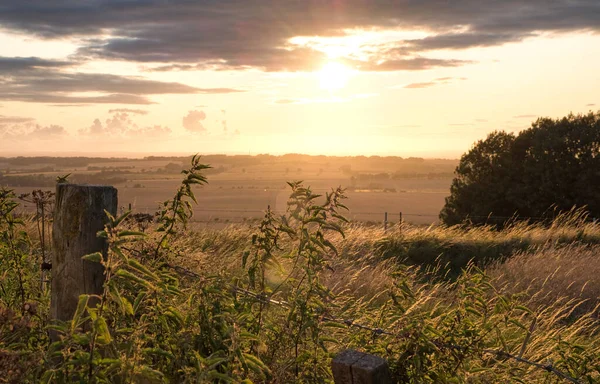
[(550, 167)]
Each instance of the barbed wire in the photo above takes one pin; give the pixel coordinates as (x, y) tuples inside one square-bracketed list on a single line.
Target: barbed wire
[(381, 331)]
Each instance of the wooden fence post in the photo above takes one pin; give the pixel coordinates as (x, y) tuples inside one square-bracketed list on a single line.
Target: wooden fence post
[(385, 222), (353, 367), (78, 216), (400, 221)]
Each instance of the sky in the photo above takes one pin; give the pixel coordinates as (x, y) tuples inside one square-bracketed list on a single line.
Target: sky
[(336, 77)]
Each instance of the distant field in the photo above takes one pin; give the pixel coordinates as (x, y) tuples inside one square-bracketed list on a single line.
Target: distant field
[(241, 187)]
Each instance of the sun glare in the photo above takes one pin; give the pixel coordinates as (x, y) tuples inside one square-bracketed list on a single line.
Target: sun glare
[(334, 76)]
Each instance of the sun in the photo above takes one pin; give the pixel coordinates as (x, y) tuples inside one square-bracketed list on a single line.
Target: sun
[(334, 76)]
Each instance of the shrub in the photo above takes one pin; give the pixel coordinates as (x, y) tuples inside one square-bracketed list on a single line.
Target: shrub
[(550, 167)]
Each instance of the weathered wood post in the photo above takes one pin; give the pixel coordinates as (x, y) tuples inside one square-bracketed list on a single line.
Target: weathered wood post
[(353, 367), (385, 222), (400, 221), (78, 216)]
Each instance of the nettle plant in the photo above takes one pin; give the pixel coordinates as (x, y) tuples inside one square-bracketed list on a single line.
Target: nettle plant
[(23, 303), (146, 327), (149, 325), (287, 318)]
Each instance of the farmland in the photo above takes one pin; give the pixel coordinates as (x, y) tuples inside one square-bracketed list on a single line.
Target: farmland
[(241, 187)]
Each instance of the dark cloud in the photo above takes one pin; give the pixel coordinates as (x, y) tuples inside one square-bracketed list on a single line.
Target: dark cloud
[(465, 40), (67, 105), (266, 58), (92, 82), (590, 105), (193, 121), (412, 64), (30, 82), (238, 34), (127, 110), (57, 98), (22, 64)]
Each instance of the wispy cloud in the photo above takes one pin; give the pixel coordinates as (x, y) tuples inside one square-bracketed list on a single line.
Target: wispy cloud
[(426, 84), (308, 100), (432, 83), (5, 120), (524, 116), (128, 110)]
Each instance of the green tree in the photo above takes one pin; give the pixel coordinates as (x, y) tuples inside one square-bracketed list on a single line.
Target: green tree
[(552, 166)]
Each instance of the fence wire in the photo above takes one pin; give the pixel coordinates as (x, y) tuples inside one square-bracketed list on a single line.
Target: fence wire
[(265, 299), (349, 213)]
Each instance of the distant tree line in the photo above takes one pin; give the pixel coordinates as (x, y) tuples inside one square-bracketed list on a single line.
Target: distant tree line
[(40, 180), (550, 167), (78, 161)]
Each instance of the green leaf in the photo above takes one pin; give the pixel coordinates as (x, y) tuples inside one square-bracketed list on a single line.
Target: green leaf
[(134, 279), (138, 301), (131, 233), (81, 306), (95, 257), (142, 269), (256, 364), (518, 324), (523, 308), (334, 324), (218, 375), (158, 352), (102, 331)]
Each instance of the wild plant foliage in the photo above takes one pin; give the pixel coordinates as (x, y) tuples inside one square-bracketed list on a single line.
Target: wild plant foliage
[(282, 310)]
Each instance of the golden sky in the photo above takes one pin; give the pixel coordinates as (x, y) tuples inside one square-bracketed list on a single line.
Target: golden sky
[(334, 77)]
